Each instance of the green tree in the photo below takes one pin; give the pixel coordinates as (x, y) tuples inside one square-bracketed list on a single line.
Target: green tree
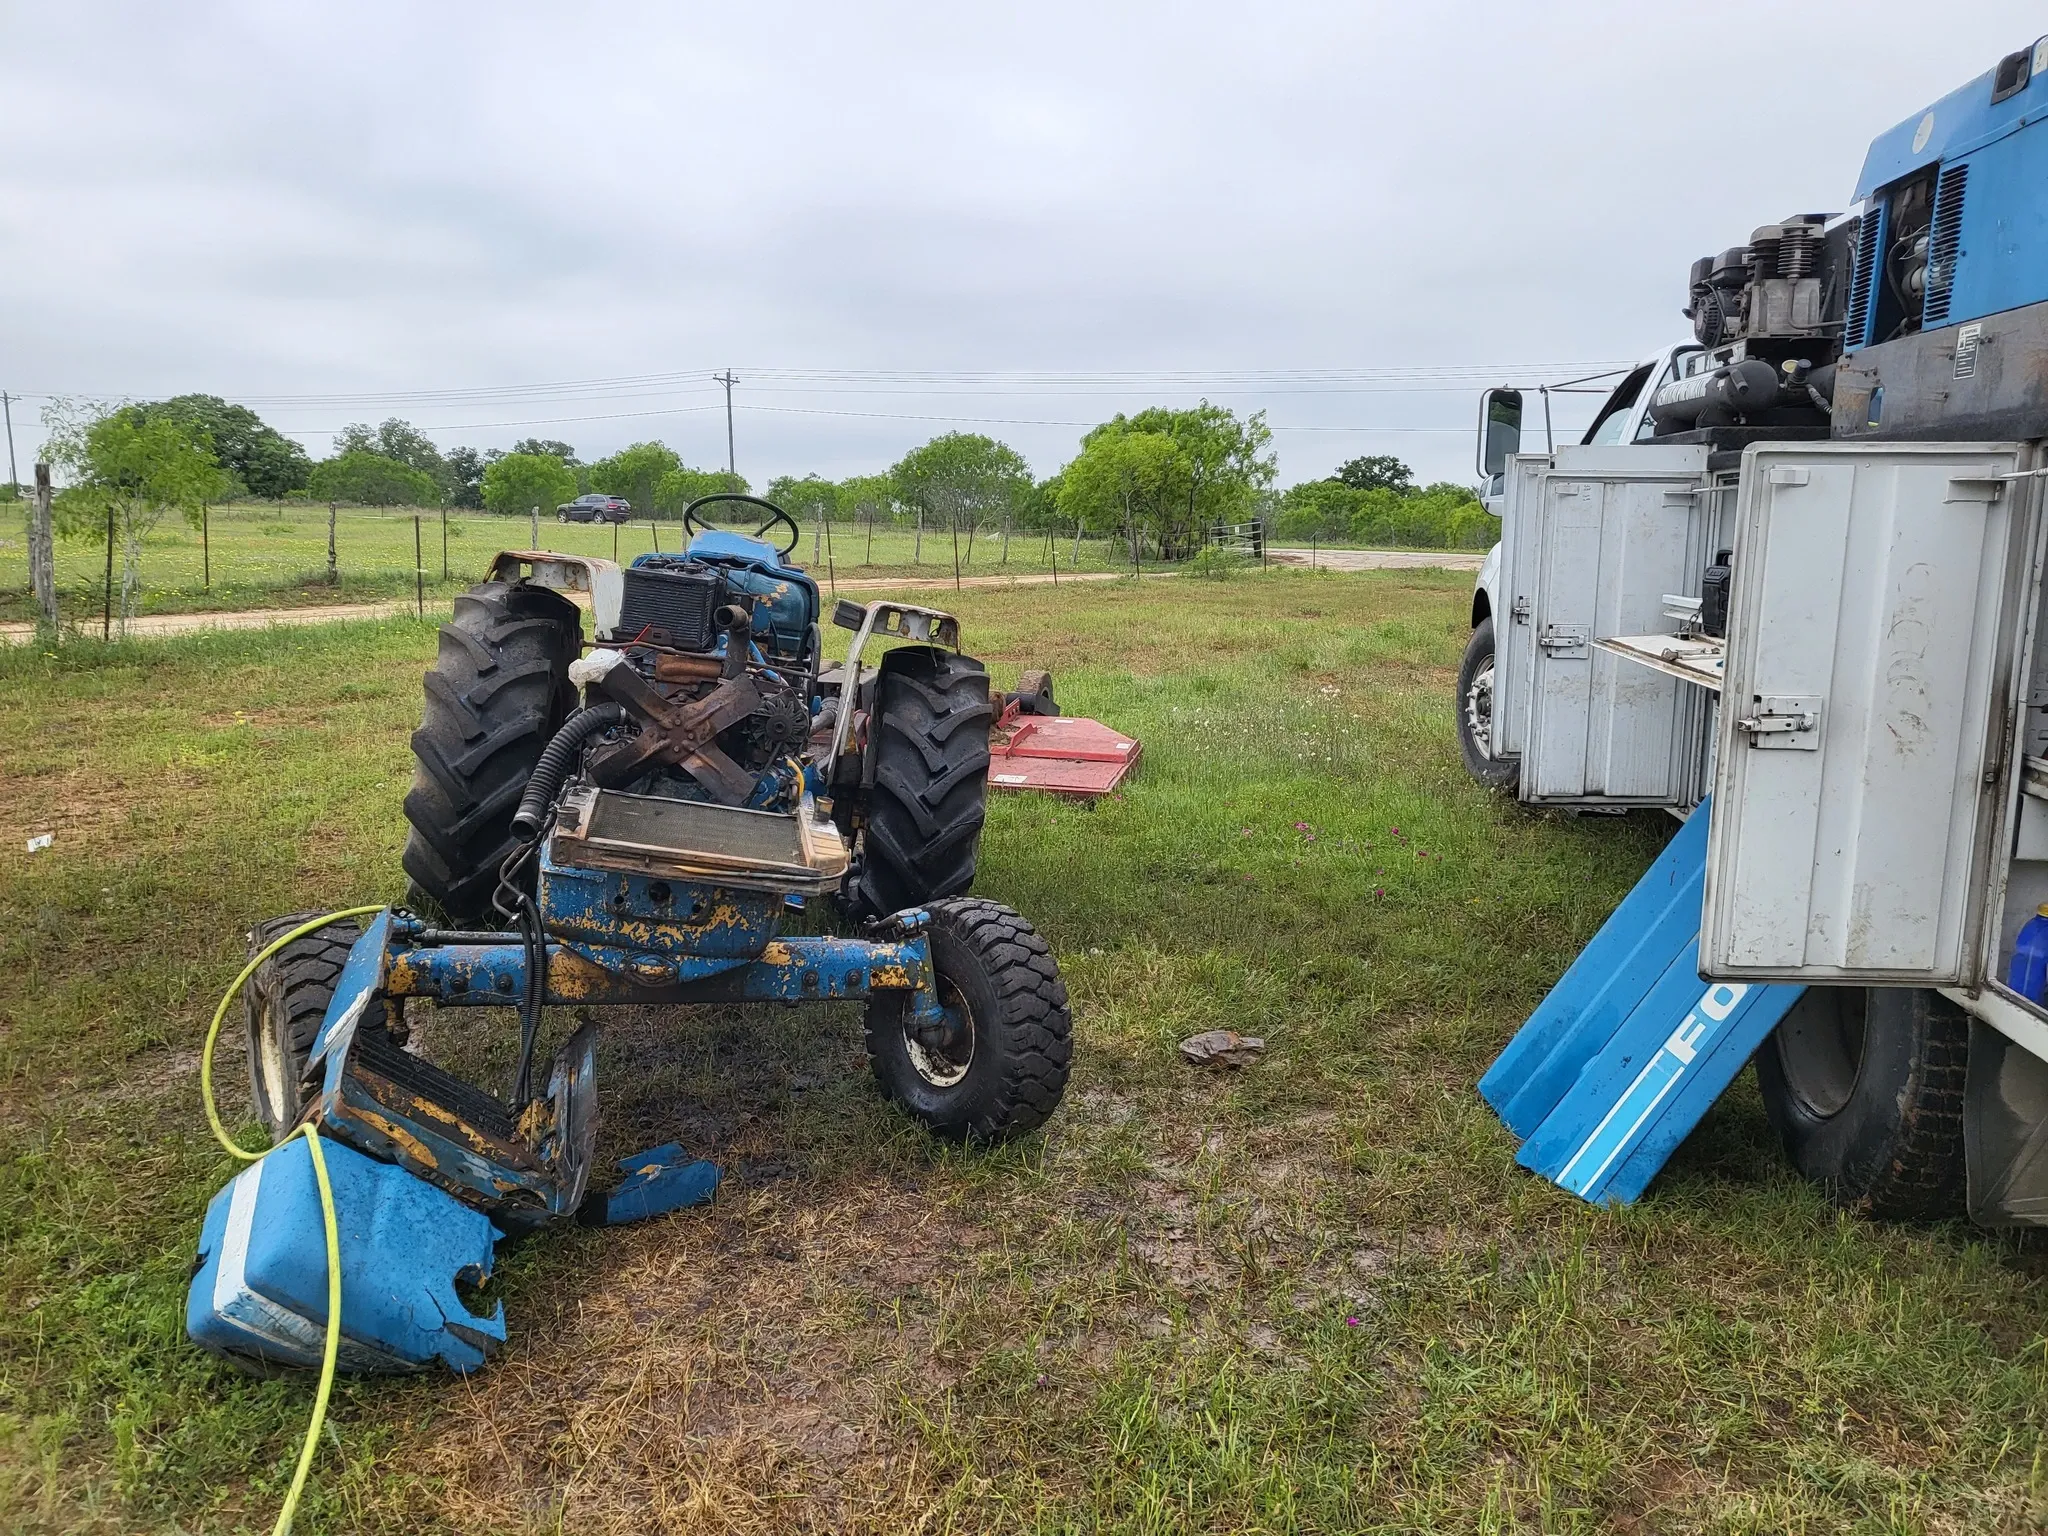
[(804, 499), (549, 448), (1128, 481), (864, 497), (373, 480), (462, 476), (635, 473), (1227, 466), (963, 480), (683, 485), (518, 482), (395, 439), (1376, 472), (263, 461), (128, 468)]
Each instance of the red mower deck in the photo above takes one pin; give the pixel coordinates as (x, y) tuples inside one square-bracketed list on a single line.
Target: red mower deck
[(1062, 755)]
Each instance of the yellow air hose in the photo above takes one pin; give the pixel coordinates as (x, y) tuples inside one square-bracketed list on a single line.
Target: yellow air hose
[(220, 1133)]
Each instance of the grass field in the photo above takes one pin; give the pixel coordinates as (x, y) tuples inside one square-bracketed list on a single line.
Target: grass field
[(272, 556), (1312, 1296)]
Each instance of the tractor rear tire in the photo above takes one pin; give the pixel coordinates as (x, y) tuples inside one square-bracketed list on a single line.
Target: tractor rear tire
[(1006, 1076), (928, 736), (1476, 693), (283, 1005), (498, 691), (1865, 1088)]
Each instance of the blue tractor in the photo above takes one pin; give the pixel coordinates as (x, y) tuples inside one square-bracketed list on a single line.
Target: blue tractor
[(633, 823)]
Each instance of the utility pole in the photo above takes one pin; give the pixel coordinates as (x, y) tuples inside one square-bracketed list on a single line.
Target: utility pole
[(13, 474), (726, 378)]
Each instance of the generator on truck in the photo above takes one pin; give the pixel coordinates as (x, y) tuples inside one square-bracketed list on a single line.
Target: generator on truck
[(1790, 583)]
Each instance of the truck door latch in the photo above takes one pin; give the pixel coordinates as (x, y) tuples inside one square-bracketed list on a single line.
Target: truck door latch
[(1564, 640), (1519, 610), (1786, 723)]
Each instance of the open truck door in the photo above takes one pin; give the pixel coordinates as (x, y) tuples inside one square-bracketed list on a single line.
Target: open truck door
[(1595, 541), (1859, 787)]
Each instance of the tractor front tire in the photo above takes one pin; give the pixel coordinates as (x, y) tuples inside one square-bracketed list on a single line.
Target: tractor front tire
[(1476, 693), (1003, 1072), (1865, 1088), (283, 1004), (928, 736), (498, 691)]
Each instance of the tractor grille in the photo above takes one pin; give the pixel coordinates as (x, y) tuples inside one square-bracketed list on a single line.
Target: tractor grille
[(673, 607), (416, 1077)]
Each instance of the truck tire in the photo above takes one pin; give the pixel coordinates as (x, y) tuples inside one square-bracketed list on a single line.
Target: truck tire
[(1865, 1088), (928, 735), (283, 1005), (498, 690), (1004, 1073), (1475, 714)]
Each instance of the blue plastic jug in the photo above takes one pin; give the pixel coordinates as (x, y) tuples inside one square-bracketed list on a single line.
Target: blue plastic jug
[(2028, 974)]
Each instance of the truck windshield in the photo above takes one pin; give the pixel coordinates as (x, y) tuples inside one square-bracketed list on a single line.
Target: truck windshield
[(1612, 422)]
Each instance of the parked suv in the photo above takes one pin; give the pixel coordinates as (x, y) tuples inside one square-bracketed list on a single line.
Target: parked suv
[(595, 508)]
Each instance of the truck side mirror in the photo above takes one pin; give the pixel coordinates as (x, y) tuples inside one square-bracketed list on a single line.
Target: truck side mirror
[(1500, 430)]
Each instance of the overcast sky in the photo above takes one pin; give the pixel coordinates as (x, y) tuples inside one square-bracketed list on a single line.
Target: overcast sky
[(893, 221)]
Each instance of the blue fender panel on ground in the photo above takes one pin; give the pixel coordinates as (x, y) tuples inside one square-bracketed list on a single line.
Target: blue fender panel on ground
[(1631, 1047), (659, 1180), (260, 1290), (1612, 974)]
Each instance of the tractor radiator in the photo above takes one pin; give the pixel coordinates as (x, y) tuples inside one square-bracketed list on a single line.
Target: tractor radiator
[(671, 607)]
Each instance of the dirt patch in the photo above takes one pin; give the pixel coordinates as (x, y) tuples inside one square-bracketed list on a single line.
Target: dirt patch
[(731, 1368)]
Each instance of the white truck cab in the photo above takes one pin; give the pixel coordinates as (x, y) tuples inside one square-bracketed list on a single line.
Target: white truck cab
[(1493, 751)]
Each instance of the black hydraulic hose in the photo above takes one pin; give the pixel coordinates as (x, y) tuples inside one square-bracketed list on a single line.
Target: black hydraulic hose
[(556, 759)]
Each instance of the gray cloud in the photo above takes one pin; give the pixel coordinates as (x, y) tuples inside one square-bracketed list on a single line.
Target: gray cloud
[(264, 201)]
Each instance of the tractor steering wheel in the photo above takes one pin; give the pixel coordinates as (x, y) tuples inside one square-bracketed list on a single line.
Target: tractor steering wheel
[(692, 523)]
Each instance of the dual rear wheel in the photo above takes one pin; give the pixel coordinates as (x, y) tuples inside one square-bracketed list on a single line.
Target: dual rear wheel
[(1865, 1088)]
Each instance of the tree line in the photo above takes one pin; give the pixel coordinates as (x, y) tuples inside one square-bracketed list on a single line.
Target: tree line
[(1157, 480)]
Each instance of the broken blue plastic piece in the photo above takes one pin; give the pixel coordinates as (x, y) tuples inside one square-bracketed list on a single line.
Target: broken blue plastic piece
[(1631, 1047), (259, 1292), (659, 1180)]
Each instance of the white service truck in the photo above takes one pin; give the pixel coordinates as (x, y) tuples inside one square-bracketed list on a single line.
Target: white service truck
[(1797, 564)]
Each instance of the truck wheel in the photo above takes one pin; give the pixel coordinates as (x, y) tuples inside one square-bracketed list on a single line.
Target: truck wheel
[(929, 737), (498, 690), (1475, 714), (283, 1005), (1865, 1088), (1003, 1066)]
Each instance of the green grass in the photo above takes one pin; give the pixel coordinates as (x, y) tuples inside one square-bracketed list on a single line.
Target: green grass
[(1316, 1295), (265, 556)]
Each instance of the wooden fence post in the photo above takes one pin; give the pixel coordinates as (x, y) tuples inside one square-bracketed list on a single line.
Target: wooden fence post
[(107, 602), (333, 570), (42, 552)]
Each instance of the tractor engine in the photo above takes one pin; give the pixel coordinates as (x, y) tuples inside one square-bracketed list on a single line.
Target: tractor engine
[(669, 633), (696, 693)]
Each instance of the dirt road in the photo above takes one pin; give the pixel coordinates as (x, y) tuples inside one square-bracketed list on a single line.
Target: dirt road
[(1380, 559), (153, 626)]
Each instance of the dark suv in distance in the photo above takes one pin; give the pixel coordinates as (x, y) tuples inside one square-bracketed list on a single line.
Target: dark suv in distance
[(595, 508)]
